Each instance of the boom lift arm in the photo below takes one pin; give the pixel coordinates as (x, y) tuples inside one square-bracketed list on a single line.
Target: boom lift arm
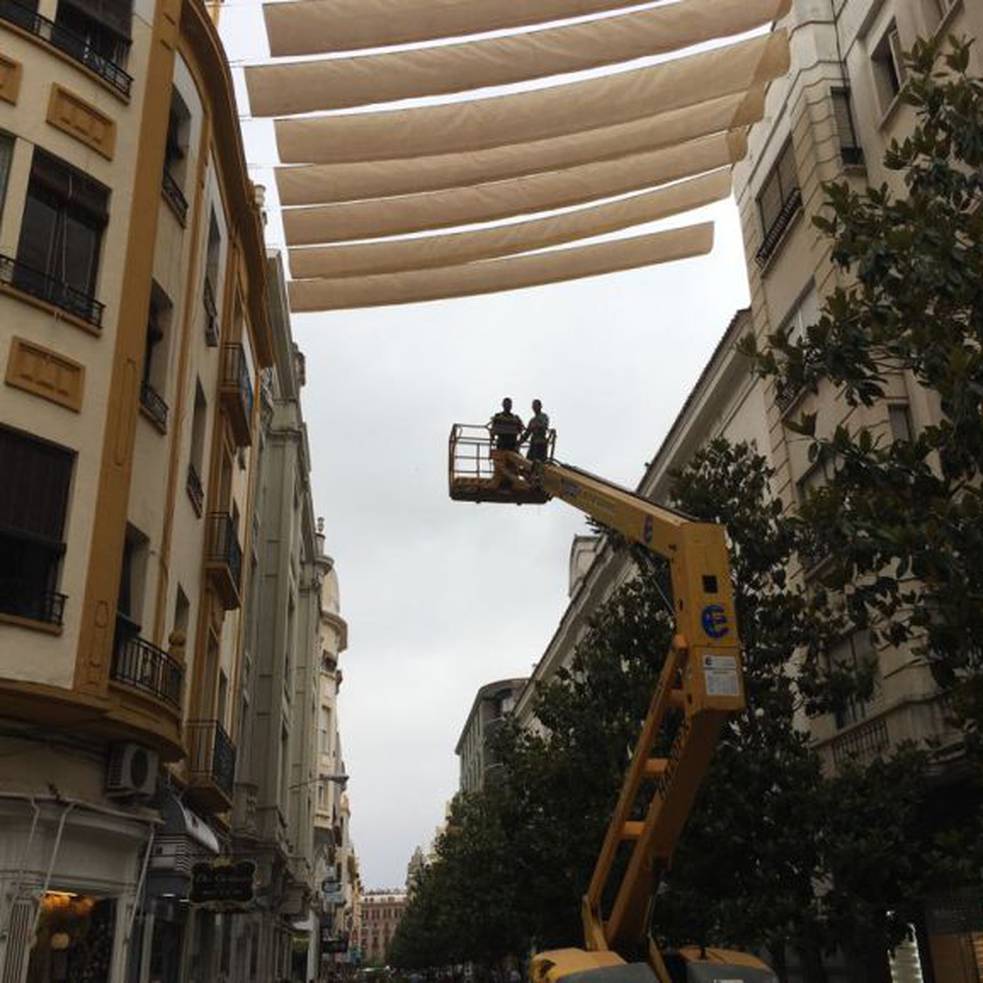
[(701, 677)]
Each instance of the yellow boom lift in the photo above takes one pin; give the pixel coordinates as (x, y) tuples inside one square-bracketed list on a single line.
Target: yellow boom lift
[(701, 678)]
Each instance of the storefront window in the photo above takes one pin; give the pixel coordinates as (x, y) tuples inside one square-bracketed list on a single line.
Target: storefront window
[(74, 940)]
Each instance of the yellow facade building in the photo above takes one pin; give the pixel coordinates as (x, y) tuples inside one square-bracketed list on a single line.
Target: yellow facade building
[(133, 326)]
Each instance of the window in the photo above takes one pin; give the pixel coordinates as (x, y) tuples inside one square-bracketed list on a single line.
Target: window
[(899, 418), (890, 72), (176, 156), (33, 506), (6, 154), (779, 200), (325, 735), (196, 490), (853, 654), (61, 235), (101, 28), (850, 150), (210, 285), (155, 357)]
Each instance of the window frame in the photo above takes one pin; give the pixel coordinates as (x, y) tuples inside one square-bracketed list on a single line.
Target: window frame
[(789, 200)]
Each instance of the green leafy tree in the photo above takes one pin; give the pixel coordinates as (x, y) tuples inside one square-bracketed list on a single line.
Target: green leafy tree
[(902, 517)]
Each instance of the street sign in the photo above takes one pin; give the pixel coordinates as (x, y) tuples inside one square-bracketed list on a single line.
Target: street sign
[(222, 882)]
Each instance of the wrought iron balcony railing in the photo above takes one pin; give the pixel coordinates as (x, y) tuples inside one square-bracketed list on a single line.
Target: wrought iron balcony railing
[(211, 315), (783, 220), (174, 196), (862, 744), (66, 41), (54, 291), (212, 755), (237, 391), (196, 491), (154, 404), (23, 599), (138, 663)]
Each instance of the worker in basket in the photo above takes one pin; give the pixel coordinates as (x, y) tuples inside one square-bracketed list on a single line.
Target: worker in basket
[(506, 428), (537, 433)]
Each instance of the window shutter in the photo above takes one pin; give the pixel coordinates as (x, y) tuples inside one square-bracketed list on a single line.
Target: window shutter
[(897, 54), (117, 15), (36, 503)]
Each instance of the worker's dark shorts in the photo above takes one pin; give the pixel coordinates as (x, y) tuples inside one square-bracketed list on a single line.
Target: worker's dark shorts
[(537, 452)]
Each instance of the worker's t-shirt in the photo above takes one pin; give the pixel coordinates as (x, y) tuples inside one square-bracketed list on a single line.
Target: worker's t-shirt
[(539, 427), (506, 428)]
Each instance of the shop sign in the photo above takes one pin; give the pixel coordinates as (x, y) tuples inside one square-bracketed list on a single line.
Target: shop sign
[(334, 945), (330, 884), (334, 897), (223, 882)]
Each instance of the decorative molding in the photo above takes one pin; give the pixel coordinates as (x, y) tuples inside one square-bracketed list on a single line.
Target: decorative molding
[(45, 373), (10, 75), (79, 119)]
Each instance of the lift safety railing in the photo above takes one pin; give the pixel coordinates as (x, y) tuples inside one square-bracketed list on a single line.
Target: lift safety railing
[(469, 457)]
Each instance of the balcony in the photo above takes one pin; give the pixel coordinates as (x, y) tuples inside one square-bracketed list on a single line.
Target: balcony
[(773, 236), (862, 744), (196, 491), (236, 392), (153, 405), (174, 196), (211, 315), (22, 599), (223, 558), (144, 667), (68, 42), (211, 764), (53, 291)]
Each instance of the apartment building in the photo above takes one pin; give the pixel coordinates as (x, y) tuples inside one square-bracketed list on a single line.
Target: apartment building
[(487, 714), (382, 911), (293, 637), (831, 118), (133, 326)]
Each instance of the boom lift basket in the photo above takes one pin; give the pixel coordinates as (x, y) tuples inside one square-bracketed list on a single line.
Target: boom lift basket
[(476, 473)]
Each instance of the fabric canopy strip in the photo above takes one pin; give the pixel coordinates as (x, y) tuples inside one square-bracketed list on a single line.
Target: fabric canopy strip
[(496, 275), (313, 27), (314, 184), (502, 199), (393, 256), (310, 86), (478, 124)]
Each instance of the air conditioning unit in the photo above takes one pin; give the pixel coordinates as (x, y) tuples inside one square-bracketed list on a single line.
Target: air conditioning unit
[(132, 771)]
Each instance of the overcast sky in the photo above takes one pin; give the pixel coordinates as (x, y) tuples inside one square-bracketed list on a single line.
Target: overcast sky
[(442, 597)]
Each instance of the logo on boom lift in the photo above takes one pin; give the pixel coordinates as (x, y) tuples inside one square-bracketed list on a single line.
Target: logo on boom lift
[(714, 621), (647, 530)]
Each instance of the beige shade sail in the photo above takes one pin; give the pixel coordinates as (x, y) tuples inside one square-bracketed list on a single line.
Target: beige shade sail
[(478, 124), (314, 184), (501, 199), (496, 275), (394, 256), (339, 83), (313, 27)]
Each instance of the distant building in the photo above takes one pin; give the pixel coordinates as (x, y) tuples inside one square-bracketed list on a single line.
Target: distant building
[(381, 914), (491, 704)]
